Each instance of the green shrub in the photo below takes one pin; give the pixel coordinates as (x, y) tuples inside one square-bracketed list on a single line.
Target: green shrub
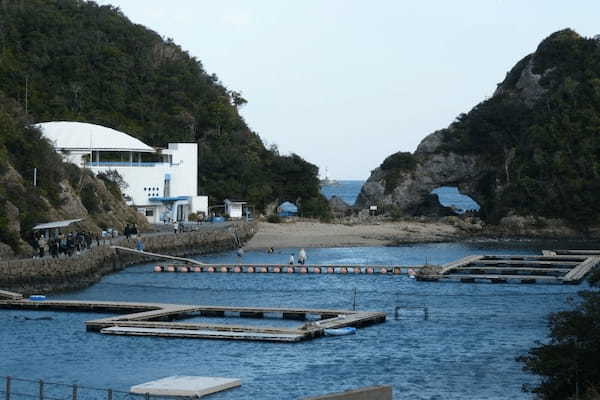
[(89, 198), (274, 219)]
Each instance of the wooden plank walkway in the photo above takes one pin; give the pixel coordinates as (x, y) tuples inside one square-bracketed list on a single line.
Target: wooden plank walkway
[(154, 319), (556, 266), (10, 295), (446, 268), (579, 272)]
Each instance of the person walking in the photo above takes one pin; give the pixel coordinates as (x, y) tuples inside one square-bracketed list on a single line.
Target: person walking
[(139, 245), (175, 227), (42, 246)]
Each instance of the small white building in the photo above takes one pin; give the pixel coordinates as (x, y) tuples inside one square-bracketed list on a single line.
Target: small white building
[(162, 184), (234, 209)]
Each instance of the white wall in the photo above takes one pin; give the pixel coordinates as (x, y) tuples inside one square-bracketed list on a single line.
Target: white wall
[(145, 182)]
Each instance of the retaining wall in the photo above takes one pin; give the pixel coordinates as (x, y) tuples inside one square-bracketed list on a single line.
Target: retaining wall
[(49, 275)]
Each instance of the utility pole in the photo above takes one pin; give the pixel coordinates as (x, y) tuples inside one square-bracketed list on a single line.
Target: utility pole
[(26, 94)]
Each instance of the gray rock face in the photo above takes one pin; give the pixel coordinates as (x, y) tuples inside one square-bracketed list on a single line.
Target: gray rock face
[(435, 168), (338, 207)]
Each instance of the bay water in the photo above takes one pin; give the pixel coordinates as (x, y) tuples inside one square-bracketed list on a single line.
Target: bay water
[(440, 341)]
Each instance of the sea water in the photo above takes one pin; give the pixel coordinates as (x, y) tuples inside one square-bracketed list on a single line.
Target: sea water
[(348, 191), (463, 347)]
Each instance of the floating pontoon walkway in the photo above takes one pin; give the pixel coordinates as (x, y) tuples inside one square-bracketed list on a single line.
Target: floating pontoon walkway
[(155, 319), (566, 266), (289, 269)]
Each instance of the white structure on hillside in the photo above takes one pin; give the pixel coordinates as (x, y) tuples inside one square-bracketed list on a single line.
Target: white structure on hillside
[(162, 184)]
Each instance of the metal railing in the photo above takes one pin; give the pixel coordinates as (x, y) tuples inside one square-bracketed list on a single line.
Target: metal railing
[(30, 389)]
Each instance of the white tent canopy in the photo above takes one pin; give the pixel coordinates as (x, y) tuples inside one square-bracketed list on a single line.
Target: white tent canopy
[(69, 135)]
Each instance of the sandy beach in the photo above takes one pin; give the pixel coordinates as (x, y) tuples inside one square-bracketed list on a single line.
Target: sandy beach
[(315, 234)]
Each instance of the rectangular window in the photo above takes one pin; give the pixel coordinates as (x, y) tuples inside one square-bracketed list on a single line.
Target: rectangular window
[(149, 212)]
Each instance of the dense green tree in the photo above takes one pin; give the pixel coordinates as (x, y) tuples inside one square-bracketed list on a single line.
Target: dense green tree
[(544, 146), (76, 60), (569, 365)]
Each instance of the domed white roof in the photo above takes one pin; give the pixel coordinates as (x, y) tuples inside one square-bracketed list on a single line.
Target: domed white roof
[(70, 135)]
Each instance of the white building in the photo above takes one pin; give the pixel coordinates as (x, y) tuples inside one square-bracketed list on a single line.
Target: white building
[(234, 209), (162, 183)]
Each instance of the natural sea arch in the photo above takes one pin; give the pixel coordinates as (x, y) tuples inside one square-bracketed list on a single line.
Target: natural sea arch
[(450, 196)]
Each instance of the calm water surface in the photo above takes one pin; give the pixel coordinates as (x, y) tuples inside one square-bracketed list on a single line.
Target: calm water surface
[(465, 350)]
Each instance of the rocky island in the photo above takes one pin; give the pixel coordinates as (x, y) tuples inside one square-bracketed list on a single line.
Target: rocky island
[(528, 153)]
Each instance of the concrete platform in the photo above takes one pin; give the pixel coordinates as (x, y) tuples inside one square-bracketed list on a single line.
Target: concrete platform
[(186, 386)]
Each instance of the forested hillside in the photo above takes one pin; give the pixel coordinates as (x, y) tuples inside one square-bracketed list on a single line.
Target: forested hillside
[(62, 191), (83, 62), (532, 149)]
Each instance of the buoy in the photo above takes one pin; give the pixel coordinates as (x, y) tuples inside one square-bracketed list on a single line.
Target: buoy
[(211, 269), (303, 270), (197, 269), (183, 269), (330, 270), (316, 270), (170, 268), (290, 270), (277, 270), (250, 269), (237, 270), (264, 270), (343, 270), (383, 271), (158, 268), (223, 269), (369, 270)]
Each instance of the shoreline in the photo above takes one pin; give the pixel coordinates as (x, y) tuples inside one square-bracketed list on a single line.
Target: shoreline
[(312, 234)]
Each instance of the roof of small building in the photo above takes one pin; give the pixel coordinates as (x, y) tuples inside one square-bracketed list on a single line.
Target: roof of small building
[(70, 135), (56, 224)]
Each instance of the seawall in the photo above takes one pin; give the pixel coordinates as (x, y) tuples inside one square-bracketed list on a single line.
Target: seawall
[(49, 275)]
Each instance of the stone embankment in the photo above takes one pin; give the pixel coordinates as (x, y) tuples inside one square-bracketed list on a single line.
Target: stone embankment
[(62, 274)]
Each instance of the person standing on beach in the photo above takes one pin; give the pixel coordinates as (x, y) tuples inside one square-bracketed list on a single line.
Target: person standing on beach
[(175, 226)]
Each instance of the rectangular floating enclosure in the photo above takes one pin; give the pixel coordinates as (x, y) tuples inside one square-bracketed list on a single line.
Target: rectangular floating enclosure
[(560, 266), (155, 319), (186, 386)]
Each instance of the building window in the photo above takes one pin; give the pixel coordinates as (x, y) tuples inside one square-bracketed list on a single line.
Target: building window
[(149, 212)]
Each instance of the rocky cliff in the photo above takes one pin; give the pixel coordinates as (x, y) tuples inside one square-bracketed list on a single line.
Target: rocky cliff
[(530, 149)]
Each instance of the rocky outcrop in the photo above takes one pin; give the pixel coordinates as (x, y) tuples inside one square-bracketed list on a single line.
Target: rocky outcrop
[(528, 150), (411, 192), (339, 208), (110, 210)]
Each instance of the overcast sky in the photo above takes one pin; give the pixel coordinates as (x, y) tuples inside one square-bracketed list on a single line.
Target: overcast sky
[(345, 83)]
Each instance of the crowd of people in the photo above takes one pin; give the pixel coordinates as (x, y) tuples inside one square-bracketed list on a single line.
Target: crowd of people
[(63, 244)]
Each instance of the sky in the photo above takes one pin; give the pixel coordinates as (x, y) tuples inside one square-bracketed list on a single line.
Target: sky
[(346, 83)]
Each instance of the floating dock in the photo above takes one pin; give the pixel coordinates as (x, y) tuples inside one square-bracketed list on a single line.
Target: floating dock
[(289, 269), (156, 319), (186, 386), (562, 267)]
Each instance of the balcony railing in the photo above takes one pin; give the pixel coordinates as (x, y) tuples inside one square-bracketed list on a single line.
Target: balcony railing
[(125, 164)]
